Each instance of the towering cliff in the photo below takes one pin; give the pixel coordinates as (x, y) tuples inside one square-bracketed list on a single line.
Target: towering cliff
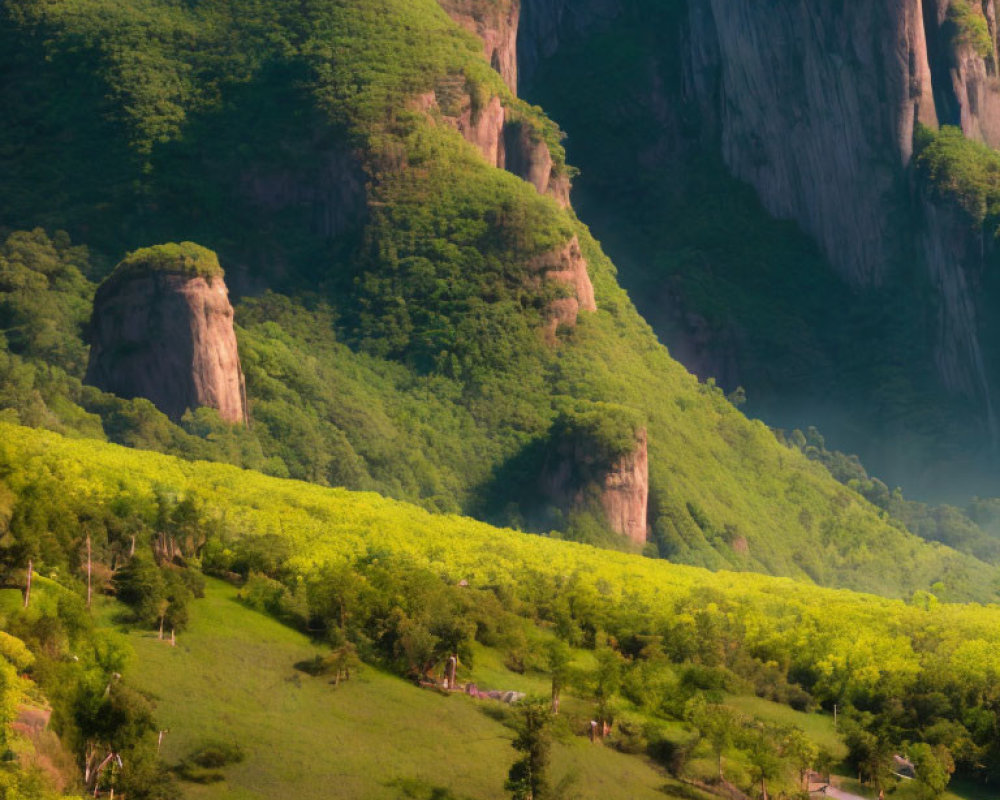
[(162, 328), (815, 106)]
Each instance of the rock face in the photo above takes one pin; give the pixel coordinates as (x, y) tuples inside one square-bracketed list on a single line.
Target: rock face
[(815, 105), (966, 90), (572, 477), (626, 492), (568, 267), (529, 157), (509, 144), (495, 23), (165, 333)]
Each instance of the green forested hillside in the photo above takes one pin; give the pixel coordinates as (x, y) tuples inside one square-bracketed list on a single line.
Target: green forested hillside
[(400, 347), (403, 588)]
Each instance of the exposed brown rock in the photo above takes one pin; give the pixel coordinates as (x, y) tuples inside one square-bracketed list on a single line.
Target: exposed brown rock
[(514, 146), (528, 157), (966, 90), (568, 267), (495, 23), (572, 476), (484, 129), (626, 492), (167, 336)]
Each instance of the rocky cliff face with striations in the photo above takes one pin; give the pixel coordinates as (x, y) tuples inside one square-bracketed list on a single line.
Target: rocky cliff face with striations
[(815, 105), (528, 156), (162, 328), (962, 52), (625, 493), (503, 141)]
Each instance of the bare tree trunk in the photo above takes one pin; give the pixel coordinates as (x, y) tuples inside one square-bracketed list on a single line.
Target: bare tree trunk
[(555, 698), (89, 589), (27, 585), (131, 550), (161, 628)]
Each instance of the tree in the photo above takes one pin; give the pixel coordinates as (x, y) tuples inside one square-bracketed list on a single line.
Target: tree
[(765, 764), (528, 777), (934, 767), (716, 724), (802, 752), (559, 657), (607, 682)]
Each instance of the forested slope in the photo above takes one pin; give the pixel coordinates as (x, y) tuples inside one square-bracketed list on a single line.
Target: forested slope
[(403, 588)]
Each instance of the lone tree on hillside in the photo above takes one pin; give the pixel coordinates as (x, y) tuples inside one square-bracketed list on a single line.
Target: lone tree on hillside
[(528, 777)]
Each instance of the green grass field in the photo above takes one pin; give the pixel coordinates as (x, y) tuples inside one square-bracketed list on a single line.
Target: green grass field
[(818, 727), (231, 679)]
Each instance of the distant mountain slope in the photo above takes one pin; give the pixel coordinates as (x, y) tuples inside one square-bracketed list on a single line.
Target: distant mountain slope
[(440, 326)]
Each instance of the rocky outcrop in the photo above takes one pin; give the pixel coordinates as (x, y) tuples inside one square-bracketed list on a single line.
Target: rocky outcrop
[(510, 144), (162, 328), (814, 104), (574, 478), (963, 64), (529, 157), (495, 23), (625, 492), (567, 267)]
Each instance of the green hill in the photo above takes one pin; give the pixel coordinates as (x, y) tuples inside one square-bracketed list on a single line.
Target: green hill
[(402, 587)]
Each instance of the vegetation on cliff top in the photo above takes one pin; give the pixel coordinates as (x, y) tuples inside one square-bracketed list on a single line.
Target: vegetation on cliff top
[(960, 170), (970, 28), (184, 258)]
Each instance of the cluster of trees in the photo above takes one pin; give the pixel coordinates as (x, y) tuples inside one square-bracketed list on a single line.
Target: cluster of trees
[(108, 727)]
